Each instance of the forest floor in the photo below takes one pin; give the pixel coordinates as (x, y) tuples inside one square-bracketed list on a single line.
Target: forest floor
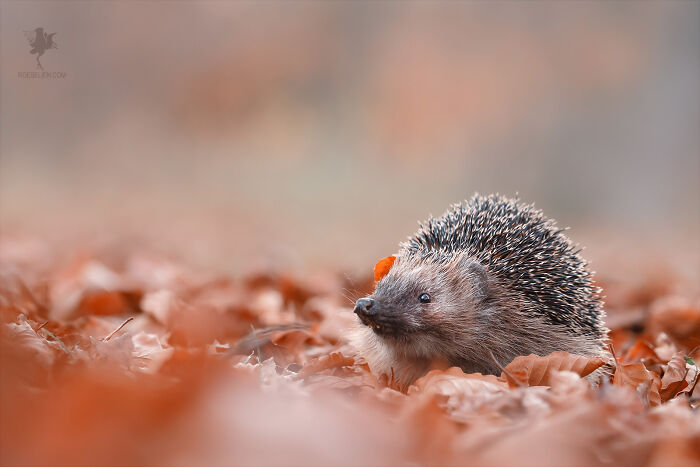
[(129, 357)]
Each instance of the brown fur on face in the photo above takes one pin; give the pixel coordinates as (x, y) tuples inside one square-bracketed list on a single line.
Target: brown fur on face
[(472, 321)]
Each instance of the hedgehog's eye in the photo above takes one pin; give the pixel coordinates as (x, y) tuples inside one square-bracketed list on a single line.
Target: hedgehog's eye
[(424, 298)]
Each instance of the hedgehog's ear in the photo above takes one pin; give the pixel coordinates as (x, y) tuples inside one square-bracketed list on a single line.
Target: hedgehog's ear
[(382, 267), (477, 276)]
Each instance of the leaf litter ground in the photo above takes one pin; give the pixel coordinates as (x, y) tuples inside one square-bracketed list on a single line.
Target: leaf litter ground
[(130, 358)]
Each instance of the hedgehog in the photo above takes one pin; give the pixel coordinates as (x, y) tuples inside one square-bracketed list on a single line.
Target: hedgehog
[(489, 280)]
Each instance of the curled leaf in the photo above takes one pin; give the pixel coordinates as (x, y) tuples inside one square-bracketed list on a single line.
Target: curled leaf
[(673, 380)]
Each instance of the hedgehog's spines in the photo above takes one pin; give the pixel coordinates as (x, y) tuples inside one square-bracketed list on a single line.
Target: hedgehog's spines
[(527, 252)]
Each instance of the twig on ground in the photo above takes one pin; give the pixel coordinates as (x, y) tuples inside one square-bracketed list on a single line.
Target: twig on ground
[(130, 318), (249, 357), (60, 342), (506, 372), (260, 337)]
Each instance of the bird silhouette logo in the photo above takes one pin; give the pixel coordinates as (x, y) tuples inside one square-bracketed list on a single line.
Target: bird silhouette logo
[(40, 42)]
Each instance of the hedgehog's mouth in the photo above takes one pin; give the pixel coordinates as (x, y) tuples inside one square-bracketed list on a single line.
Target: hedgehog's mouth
[(384, 327), (382, 320), (384, 330), (380, 330)]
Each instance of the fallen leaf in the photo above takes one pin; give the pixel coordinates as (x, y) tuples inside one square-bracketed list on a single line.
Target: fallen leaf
[(535, 370), (25, 339), (673, 380), (104, 302), (160, 305), (665, 347), (326, 362), (383, 267), (641, 351), (148, 352), (637, 377)]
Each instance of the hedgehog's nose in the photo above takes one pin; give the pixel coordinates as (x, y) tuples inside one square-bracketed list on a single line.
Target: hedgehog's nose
[(363, 308), (364, 305)]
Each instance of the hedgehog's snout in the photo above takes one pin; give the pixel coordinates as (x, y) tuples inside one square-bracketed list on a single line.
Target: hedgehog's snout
[(376, 317), (365, 310)]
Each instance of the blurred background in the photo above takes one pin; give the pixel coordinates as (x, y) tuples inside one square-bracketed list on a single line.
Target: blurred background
[(312, 134)]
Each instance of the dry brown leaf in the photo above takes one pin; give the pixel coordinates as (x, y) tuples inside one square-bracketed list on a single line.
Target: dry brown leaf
[(665, 348), (460, 393), (641, 351), (673, 380), (454, 381), (296, 339), (326, 362), (535, 370), (634, 375)]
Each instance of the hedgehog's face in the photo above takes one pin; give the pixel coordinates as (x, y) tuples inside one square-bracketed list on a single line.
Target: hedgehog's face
[(420, 303)]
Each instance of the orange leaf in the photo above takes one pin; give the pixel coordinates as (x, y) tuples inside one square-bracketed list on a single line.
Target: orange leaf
[(641, 352), (104, 302), (534, 370), (383, 267)]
